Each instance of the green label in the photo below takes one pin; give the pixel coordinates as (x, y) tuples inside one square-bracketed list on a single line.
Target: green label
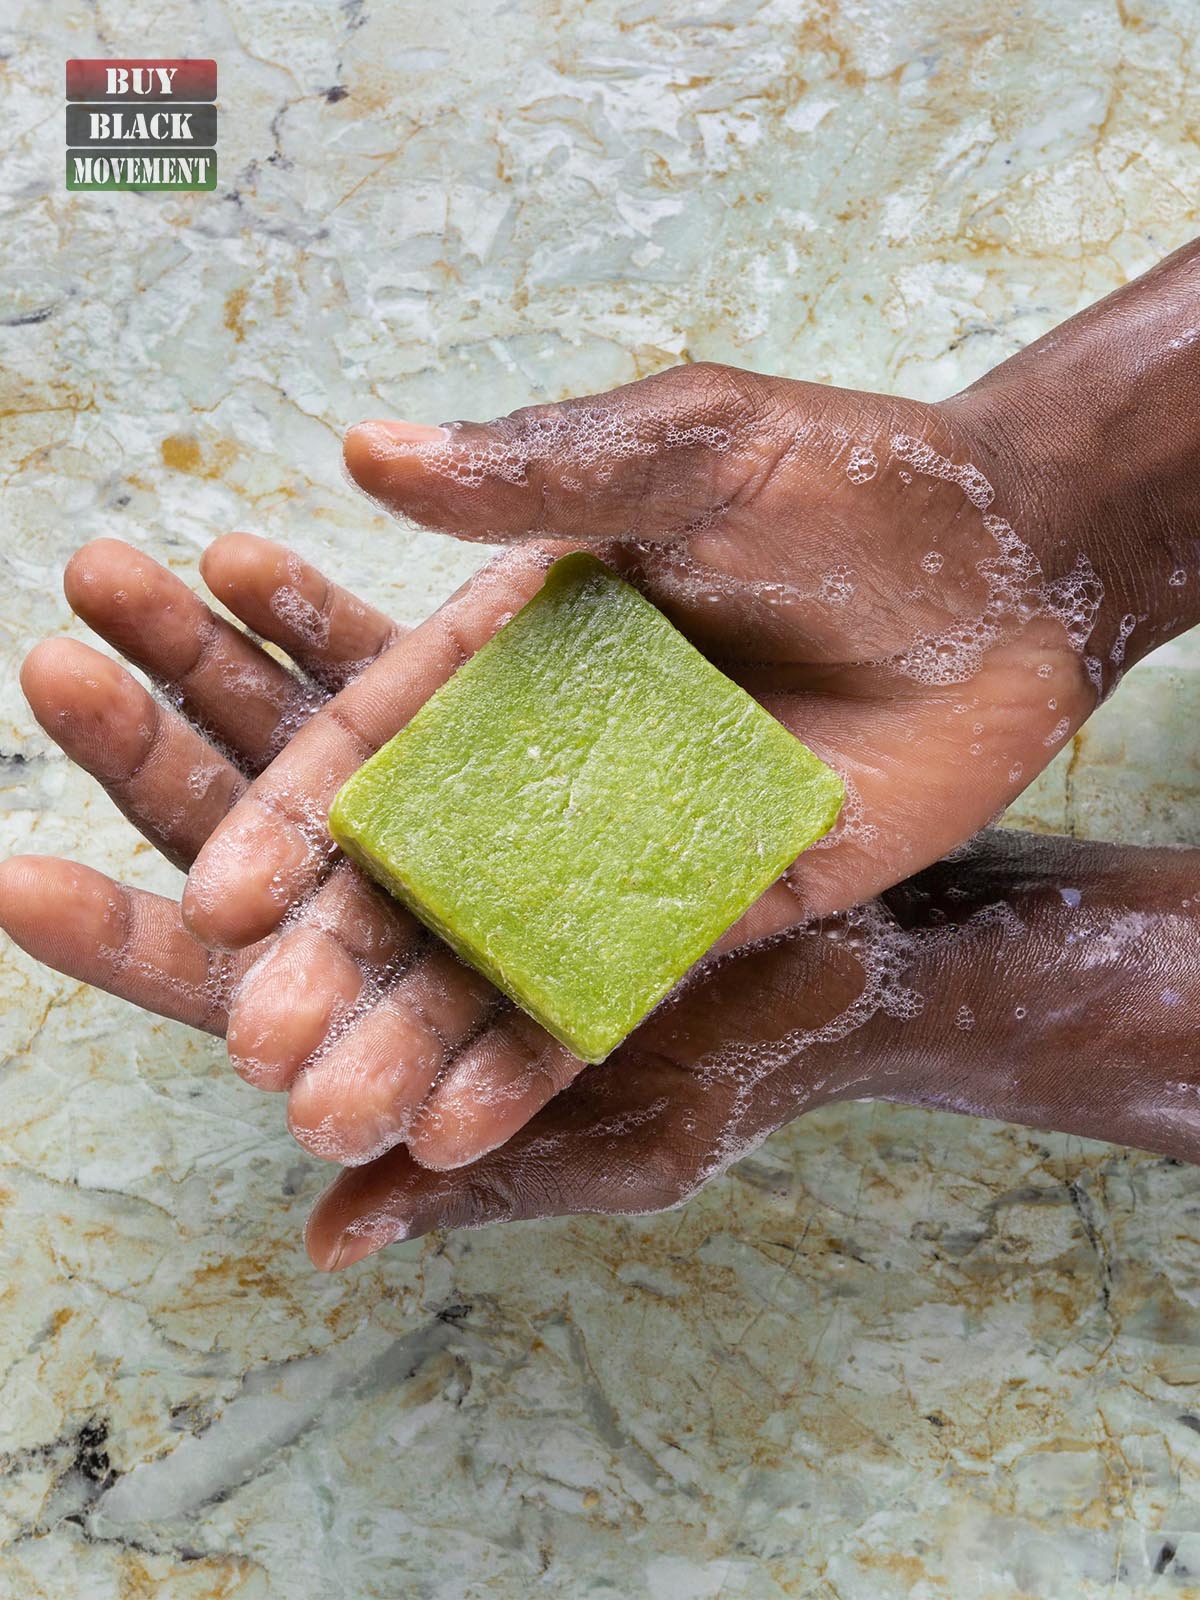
[(177, 170)]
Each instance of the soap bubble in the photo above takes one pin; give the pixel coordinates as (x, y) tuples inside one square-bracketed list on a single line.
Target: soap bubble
[(1127, 624), (1016, 590), (924, 459), (301, 616), (852, 823), (201, 778), (836, 587), (862, 464)]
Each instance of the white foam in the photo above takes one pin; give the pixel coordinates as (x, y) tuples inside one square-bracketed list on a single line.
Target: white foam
[(1126, 626), (1016, 589)]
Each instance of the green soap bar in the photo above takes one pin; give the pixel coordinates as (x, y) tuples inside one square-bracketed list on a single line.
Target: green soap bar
[(585, 807)]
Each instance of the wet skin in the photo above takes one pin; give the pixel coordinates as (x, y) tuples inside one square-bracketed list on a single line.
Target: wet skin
[(931, 596), (1083, 1003)]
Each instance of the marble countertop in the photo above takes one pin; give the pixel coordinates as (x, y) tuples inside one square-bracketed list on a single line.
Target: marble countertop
[(892, 1354)]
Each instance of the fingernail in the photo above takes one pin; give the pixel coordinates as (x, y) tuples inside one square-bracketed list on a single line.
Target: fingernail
[(331, 1260), (351, 1249), (354, 1248), (334, 1257), (409, 432)]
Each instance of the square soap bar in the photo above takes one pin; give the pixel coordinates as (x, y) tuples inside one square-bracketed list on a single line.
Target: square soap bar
[(585, 807)]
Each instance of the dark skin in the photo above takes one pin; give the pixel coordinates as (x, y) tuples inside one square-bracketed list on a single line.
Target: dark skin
[(1082, 1003), (932, 596), (1080, 1023)]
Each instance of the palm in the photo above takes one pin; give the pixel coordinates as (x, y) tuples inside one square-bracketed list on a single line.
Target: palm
[(668, 1125), (835, 552), (861, 582)]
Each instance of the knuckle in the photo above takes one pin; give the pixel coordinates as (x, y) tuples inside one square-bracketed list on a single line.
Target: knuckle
[(496, 1197), (729, 395), (535, 422)]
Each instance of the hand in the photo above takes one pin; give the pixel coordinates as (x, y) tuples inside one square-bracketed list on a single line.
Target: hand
[(926, 594), (984, 981), (176, 773), (828, 1012)]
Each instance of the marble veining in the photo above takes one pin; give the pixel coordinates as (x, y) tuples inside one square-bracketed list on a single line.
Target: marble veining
[(893, 1354)]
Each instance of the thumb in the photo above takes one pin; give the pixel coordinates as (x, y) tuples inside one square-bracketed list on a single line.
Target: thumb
[(644, 461)]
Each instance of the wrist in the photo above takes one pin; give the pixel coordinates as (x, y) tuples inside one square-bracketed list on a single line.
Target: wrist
[(1092, 438), (1066, 997)]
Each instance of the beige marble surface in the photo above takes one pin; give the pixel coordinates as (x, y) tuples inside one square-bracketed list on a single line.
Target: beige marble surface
[(891, 1354)]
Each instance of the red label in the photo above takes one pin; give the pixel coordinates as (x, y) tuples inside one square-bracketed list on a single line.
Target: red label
[(154, 79)]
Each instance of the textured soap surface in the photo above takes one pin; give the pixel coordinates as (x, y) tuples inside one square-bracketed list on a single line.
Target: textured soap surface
[(585, 807)]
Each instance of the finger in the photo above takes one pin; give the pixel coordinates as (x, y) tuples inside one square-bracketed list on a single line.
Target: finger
[(357, 1098), (505, 1077), (699, 1082), (325, 629), (275, 848), (219, 677), (122, 940), (616, 1142), (168, 780), (316, 976), (288, 1006), (775, 911), (646, 460), (490, 1091)]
